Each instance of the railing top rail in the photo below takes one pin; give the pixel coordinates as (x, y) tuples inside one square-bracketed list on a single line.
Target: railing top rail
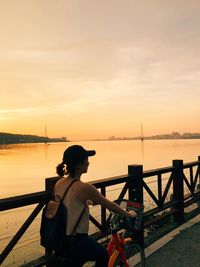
[(24, 200), (157, 171), (110, 181), (191, 164), (33, 198), (154, 172)]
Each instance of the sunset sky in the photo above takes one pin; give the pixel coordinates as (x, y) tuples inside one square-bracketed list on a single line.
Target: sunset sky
[(95, 68)]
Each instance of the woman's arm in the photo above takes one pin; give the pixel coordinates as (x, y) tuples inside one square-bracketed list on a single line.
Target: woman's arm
[(93, 194)]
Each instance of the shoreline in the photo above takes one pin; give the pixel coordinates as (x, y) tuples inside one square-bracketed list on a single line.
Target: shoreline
[(97, 140)]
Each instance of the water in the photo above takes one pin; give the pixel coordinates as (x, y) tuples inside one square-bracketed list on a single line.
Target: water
[(24, 167)]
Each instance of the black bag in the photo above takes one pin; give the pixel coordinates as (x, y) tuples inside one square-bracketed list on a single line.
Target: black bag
[(53, 224)]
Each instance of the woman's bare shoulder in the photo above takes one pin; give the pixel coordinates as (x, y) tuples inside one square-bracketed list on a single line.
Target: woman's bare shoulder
[(85, 186), (83, 190), (59, 184)]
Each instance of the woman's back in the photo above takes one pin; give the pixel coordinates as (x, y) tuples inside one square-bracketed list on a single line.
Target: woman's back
[(74, 206)]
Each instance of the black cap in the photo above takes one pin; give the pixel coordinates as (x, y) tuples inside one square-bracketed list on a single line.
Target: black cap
[(76, 153)]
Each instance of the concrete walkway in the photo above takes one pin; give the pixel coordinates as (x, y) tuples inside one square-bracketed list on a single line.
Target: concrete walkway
[(180, 248)]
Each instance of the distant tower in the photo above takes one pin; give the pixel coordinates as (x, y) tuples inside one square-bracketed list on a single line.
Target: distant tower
[(142, 136), (45, 134)]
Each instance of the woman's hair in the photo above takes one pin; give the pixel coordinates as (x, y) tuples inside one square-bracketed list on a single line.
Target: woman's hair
[(61, 169), (70, 168)]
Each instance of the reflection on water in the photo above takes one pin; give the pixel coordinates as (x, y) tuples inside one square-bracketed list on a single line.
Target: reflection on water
[(142, 151)]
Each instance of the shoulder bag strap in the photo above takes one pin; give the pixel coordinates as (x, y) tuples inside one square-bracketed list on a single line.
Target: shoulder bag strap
[(79, 219)]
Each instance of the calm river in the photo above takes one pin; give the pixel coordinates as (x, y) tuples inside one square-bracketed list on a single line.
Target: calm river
[(23, 167)]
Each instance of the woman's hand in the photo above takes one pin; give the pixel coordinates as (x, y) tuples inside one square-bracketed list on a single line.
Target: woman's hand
[(132, 214)]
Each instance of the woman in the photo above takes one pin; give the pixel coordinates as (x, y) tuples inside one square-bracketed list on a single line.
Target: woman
[(84, 248)]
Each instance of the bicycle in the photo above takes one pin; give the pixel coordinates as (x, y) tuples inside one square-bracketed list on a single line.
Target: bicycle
[(122, 248)]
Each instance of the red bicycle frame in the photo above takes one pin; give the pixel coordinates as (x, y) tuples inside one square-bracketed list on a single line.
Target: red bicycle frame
[(117, 243)]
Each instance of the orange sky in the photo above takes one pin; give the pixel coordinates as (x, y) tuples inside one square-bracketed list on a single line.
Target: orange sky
[(92, 69)]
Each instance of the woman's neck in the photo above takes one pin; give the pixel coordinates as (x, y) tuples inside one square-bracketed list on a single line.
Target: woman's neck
[(76, 176)]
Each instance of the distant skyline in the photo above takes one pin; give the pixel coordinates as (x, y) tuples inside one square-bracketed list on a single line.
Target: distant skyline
[(89, 69), (9, 137)]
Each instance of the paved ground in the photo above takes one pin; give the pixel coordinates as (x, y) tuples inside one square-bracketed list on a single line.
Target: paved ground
[(180, 248)]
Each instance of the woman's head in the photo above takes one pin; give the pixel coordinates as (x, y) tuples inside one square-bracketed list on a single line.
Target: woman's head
[(74, 158)]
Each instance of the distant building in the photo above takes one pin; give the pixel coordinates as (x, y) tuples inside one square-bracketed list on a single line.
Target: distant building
[(7, 138)]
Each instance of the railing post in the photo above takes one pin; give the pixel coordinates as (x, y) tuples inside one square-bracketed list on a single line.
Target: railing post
[(50, 182), (136, 183), (178, 191), (103, 210), (135, 192), (49, 186), (199, 169)]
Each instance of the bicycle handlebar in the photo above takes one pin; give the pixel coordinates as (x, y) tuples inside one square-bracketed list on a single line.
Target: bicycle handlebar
[(128, 223)]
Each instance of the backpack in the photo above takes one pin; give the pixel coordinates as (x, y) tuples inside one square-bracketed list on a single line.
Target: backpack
[(53, 224)]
